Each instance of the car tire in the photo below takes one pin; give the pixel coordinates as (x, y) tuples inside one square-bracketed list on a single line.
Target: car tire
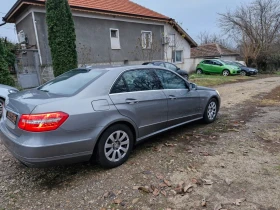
[(199, 71), (2, 102), (114, 146), (243, 73), (226, 73), (211, 111)]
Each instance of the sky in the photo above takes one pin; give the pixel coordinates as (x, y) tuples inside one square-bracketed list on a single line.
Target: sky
[(196, 16)]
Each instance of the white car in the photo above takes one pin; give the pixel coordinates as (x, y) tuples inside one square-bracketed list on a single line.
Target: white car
[(5, 90)]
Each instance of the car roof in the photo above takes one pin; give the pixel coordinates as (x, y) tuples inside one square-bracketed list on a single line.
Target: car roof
[(121, 68)]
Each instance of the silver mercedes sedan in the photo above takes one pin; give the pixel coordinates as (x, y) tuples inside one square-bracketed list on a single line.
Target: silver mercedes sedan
[(100, 114)]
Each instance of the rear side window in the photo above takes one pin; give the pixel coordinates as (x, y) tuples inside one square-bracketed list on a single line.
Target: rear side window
[(170, 80), (120, 86), (141, 80), (71, 82)]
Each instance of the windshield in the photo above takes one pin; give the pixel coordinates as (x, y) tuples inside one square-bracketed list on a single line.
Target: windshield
[(71, 82), (233, 63)]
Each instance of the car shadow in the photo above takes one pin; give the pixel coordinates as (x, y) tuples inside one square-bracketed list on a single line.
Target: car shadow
[(62, 176)]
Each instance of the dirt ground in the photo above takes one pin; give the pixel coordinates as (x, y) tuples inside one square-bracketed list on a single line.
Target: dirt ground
[(231, 164)]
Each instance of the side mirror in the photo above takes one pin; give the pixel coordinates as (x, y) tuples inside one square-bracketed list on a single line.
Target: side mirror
[(193, 86), (178, 68)]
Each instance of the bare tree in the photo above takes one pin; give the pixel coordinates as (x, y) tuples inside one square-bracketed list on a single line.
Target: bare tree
[(255, 26), (207, 38), (147, 51)]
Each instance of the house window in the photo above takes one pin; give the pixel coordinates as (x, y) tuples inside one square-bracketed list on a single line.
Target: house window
[(147, 39), (172, 40), (178, 56), (115, 39)]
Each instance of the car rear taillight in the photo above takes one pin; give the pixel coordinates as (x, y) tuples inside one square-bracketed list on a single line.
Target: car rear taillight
[(42, 122)]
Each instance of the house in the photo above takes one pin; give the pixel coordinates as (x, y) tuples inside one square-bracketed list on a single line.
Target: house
[(108, 32), (213, 50)]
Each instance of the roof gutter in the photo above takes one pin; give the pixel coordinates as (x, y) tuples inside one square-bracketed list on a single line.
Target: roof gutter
[(3, 23)]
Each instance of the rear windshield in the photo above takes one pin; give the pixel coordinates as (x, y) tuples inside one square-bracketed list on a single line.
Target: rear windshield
[(71, 82)]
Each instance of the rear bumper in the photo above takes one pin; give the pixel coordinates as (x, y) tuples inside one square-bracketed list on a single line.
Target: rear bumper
[(40, 153)]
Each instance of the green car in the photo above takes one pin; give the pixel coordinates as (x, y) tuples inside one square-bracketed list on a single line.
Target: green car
[(215, 66)]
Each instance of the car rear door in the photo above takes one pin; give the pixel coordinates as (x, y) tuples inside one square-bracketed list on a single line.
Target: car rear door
[(183, 103), (138, 95), (206, 66)]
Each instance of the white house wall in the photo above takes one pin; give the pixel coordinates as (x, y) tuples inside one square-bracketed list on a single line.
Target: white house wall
[(181, 44)]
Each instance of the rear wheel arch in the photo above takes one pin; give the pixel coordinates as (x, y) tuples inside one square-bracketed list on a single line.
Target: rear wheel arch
[(122, 122), (98, 154)]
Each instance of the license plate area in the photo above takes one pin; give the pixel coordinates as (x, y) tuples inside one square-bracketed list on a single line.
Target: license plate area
[(12, 117)]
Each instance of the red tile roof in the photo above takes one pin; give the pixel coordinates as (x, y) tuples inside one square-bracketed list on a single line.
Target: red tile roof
[(211, 50), (118, 6)]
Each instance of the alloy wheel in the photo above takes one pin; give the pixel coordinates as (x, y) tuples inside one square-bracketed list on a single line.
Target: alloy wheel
[(1, 108), (225, 73), (212, 110), (199, 71), (243, 73), (116, 146)]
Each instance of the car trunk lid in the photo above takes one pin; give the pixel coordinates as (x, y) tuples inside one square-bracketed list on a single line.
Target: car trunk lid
[(24, 103)]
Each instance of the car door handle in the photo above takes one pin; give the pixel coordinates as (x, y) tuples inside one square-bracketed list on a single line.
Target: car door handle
[(172, 97), (131, 101)]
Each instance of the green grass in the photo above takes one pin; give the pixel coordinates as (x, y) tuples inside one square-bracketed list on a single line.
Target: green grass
[(277, 72), (214, 80)]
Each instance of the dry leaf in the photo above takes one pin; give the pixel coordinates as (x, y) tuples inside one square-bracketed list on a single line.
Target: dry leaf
[(181, 170), (188, 188), (179, 190), (239, 201), (117, 201), (156, 192), (153, 187), (207, 182), (119, 192), (144, 189), (163, 193), (167, 183), (136, 187), (169, 145), (159, 176), (228, 181), (162, 185), (134, 201), (203, 202), (218, 207)]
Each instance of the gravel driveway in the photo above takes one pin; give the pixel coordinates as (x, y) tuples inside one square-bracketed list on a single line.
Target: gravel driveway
[(231, 164)]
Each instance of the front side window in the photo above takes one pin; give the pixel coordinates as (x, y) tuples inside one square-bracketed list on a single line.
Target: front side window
[(217, 63), (141, 80), (171, 66), (170, 80), (146, 38), (71, 82), (179, 56)]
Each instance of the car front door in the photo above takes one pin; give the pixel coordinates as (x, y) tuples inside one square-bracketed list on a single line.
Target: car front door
[(183, 102), (138, 95), (217, 67)]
